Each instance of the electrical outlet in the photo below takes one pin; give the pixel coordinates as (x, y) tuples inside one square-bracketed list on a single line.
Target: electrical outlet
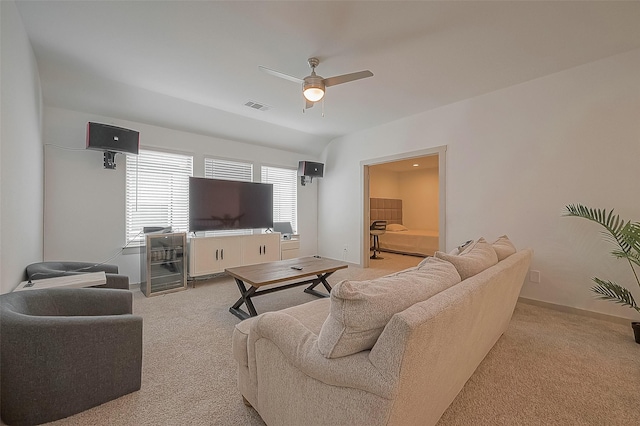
[(534, 276)]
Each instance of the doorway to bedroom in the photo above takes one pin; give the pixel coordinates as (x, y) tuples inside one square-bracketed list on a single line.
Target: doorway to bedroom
[(407, 193)]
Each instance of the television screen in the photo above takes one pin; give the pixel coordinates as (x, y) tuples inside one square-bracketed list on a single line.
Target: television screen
[(216, 204)]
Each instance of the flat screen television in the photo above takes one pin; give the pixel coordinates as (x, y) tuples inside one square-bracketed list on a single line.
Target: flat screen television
[(216, 204)]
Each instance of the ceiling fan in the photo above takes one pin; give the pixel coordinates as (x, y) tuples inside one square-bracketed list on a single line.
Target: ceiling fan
[(313, 85)]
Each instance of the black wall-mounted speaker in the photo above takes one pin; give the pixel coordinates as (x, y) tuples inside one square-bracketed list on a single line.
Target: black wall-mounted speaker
[(309, 168), (103, 137)]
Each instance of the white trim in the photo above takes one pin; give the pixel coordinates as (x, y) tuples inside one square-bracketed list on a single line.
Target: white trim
[(576, 311)]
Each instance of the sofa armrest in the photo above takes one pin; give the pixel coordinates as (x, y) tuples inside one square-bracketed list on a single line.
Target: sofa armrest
[(117, 281), (300, 347), (99, 357)]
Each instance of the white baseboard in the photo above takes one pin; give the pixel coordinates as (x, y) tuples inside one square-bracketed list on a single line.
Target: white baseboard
[(571, 310)]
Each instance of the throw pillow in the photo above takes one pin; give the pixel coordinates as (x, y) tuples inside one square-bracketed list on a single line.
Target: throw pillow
[(361, 309), (473, 260), (503, 247)]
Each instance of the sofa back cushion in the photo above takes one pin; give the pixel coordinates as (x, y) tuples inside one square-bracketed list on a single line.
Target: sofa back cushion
[(477, 257), (361, 309)]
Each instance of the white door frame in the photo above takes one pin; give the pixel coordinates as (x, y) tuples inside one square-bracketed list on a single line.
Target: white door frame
[(364, 179)]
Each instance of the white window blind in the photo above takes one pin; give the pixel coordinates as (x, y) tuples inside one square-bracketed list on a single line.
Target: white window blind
[(285, 194), (216, 168), (157, 191)]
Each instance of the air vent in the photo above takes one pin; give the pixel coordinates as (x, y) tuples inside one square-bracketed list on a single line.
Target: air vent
[(257, 105)]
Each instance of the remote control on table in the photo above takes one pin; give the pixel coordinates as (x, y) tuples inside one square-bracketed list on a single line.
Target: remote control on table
[(297, 268)]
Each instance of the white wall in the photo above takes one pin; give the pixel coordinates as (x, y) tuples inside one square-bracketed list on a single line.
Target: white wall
[(85, 204), (21, 181), (515, 158)]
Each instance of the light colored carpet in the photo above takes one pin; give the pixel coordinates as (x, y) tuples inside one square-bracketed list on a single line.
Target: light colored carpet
[(549, 368)]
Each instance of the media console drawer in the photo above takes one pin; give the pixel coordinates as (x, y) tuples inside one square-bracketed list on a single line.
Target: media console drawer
[(289, 249)]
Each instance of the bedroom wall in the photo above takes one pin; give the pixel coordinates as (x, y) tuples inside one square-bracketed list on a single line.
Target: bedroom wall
[(515, 158), (85, 204), (383, 183), (418, 190), (21, 159), (419, 194)]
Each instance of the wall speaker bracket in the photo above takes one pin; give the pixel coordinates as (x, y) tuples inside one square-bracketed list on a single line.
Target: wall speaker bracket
[(110, 160)]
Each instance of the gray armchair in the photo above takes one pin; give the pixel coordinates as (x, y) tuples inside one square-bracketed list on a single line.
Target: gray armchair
[(63, 351), (42, 270)]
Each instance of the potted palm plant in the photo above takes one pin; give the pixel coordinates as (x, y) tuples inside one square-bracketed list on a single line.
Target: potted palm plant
[(626, 236)]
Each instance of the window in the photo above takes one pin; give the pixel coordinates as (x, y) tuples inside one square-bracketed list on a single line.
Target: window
[(215, 168), (285, 194), (157, 191)]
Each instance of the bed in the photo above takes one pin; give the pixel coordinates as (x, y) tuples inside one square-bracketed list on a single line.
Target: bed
[(398, 238)]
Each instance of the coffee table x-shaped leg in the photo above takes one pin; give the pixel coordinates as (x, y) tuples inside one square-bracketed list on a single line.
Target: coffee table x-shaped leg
[(247, 293)]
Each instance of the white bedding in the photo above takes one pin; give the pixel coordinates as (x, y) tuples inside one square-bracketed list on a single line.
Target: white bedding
[(413, 241)]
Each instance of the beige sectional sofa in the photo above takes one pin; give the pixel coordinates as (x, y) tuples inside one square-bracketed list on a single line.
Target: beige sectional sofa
[(391, 351)]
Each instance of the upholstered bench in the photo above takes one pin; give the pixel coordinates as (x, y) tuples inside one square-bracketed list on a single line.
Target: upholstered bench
[(42, 270)]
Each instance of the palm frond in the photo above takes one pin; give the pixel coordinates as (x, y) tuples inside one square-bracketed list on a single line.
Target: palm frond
[(631, 236), (625, 234), (615, 293)]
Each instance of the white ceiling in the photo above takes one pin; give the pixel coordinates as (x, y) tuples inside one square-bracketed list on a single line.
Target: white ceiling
[(193, 65)]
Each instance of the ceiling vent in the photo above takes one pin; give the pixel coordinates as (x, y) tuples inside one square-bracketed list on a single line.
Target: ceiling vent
[(257, 105)]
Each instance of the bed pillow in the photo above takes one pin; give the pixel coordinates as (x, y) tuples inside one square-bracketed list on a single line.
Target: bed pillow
[(395, 227), (503, 247), (361, 309), (474, 259)]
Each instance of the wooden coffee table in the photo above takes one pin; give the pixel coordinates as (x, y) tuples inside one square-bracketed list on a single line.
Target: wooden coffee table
[(280, 271)]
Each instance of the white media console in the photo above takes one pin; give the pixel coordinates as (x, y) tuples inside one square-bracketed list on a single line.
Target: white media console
[(211, 255)]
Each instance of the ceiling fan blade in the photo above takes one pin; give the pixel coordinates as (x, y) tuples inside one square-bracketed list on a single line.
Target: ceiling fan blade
[(281, 75), (345, 78)]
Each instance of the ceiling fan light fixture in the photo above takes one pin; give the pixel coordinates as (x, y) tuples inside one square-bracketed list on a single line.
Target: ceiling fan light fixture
[(313, 94), (313, 89), (313, 86)]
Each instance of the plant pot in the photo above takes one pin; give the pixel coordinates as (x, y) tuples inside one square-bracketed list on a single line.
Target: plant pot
[(636, 330)]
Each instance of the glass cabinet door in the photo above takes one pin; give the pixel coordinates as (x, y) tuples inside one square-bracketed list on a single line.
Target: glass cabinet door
[(165, 263)]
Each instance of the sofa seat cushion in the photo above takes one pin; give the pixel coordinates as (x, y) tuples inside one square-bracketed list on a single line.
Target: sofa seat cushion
[(477, 257), (503, 247), (361, 309)]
